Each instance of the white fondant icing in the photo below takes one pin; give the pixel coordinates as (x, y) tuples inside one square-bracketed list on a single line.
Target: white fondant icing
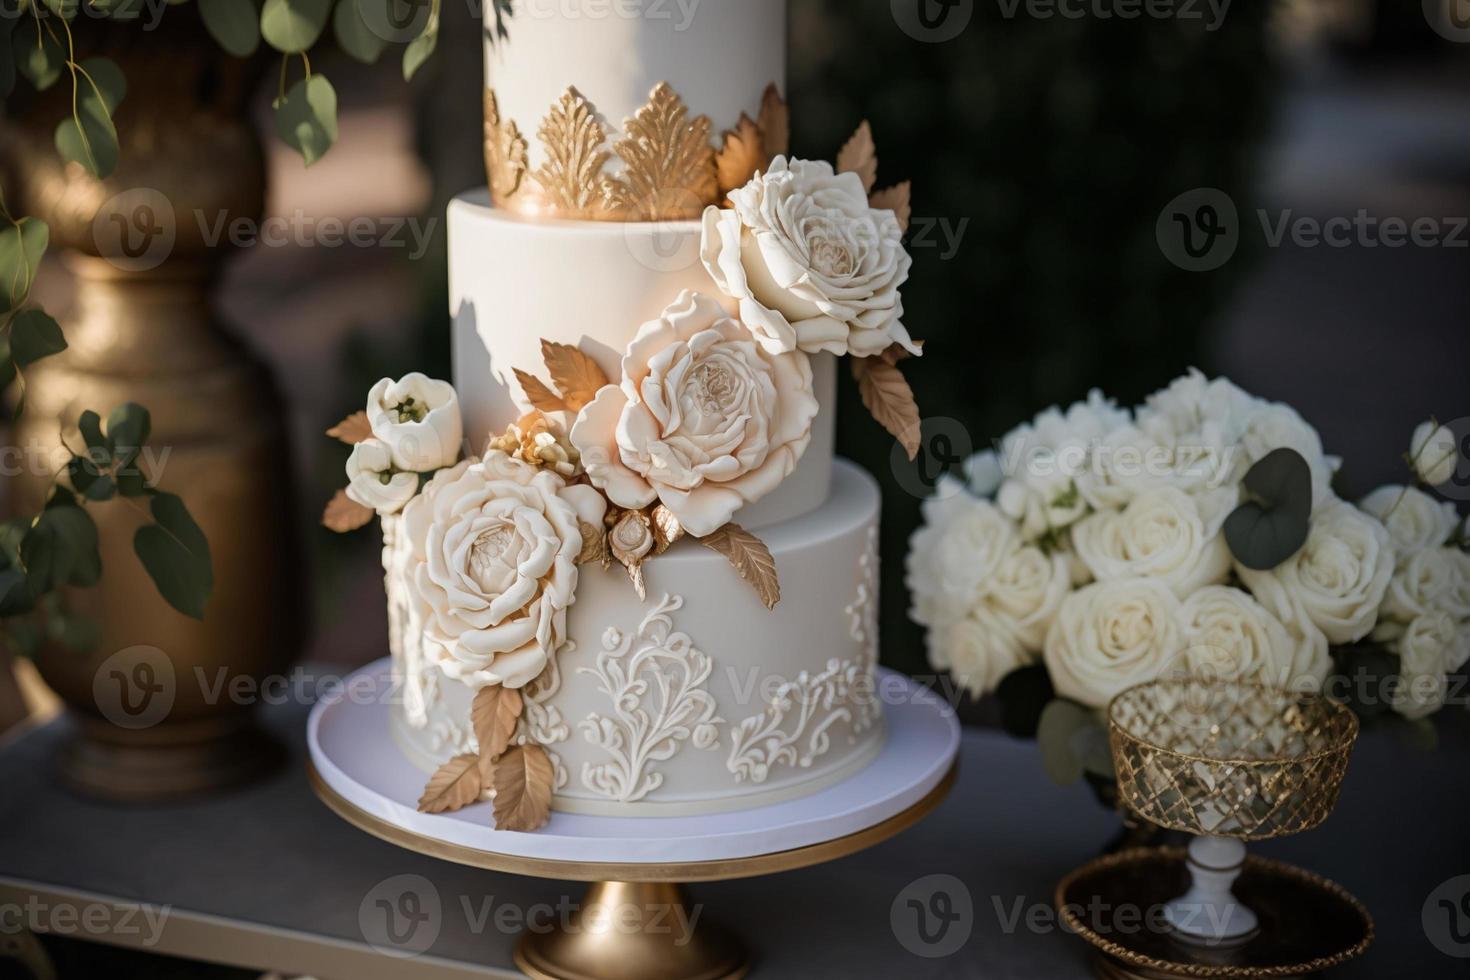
[(719, 55), (513, 282)]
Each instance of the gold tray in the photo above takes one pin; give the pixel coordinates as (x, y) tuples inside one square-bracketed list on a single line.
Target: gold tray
[(1308, 924)]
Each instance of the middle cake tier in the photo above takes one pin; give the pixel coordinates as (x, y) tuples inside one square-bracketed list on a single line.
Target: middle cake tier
[(514, 282)]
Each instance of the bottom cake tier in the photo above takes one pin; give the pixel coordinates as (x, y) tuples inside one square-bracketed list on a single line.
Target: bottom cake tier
[(698, 699)]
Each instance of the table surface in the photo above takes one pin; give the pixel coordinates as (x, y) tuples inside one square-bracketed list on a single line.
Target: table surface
[(267, 877)]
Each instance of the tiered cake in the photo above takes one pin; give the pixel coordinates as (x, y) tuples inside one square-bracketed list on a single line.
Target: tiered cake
[(684, 440)]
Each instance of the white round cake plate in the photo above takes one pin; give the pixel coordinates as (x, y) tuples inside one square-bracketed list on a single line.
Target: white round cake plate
[(636, 862)]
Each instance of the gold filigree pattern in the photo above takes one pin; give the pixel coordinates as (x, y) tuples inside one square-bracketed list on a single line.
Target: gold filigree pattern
[(667, 164)]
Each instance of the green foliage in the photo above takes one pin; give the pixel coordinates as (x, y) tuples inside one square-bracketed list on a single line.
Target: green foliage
[(306, 117), (422, 47), (22, 243), (293, 26), (235, 24), (176, 555), (34, 335), (1273, 524), (39, 55), (354, 35), (1073, 742)]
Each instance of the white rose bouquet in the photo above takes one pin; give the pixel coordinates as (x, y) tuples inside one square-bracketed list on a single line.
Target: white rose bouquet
[(1096, 548)]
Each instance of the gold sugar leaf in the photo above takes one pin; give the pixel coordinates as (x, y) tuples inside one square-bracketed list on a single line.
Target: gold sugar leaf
[(353, 429), (538, 394), (523, 782), (860, 156), (494, 715), (635, 575), (455, 786), (751, 558), (741, 156), (344, 514), (575, 375), (666, 529), (572, 137), (505, 151), (594, 544), (887, 395), (894, 353), (775, 124), (669, 163), (895, 199)]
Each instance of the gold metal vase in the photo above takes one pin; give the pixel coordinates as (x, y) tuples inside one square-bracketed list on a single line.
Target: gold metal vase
[(164, 704)]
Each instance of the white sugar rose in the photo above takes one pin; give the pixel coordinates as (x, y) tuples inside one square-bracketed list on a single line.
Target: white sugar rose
[(1414, 519), (1230, 636), (1425, 654), (705, 420), (978, 649), (373, 482), (1435, 452), (493, 566), (1337, 580), (1164, 534), (812, 265), (1026, 591), (954, 555), (1110, 636), (1460, 590), (1424, 583), (419, 419)]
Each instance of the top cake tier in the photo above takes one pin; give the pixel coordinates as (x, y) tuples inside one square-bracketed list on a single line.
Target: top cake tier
[(619, 109)]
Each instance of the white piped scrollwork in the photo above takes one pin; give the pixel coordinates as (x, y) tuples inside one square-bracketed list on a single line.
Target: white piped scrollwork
[(812, 705), (656, 681)]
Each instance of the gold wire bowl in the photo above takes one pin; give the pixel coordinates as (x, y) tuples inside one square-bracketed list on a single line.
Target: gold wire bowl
[(1228, 759)]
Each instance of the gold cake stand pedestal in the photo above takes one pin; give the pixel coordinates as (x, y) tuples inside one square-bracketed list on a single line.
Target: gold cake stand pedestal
[(589, 945)]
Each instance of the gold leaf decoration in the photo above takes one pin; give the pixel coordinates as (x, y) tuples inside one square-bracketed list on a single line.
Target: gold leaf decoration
[(775, 123), (635, 575), (571, 176), (669, 164), (751, 558), (575, 375), (344, 514), (741, 156), (494, 715), (887, 395), (666, 529), (505, 151), (353, 429), (594, 544), (860, 156), (895, 199), (538, 394), (455, 786), (523, 783), (894, 353)]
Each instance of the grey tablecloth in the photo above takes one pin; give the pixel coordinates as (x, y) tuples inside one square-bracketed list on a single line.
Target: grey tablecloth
[(274, 860)]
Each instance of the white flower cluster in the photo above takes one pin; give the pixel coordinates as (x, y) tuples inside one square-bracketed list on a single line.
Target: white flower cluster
[(1425, 616), (1091, 540)]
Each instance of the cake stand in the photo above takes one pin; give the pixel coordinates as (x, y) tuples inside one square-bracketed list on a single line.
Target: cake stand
[(637, 864)]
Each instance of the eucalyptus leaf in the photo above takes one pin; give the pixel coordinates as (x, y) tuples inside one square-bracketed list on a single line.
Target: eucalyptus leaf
[(421, 48), (397, 21), (128, 428), (89, 137), (110, 82), (65, 9), (293, 26), (61, 547), (306, 119), (15, 592), (90, 426), (39, 57), (34, 335), (235, 24), (1068, 737), (1274, 523), (176, 556), (88, 480), (354, 35), (1023, 694), (21, 246)]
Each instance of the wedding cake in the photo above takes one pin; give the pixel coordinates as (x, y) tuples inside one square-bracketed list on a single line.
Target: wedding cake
[(625, 573)]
